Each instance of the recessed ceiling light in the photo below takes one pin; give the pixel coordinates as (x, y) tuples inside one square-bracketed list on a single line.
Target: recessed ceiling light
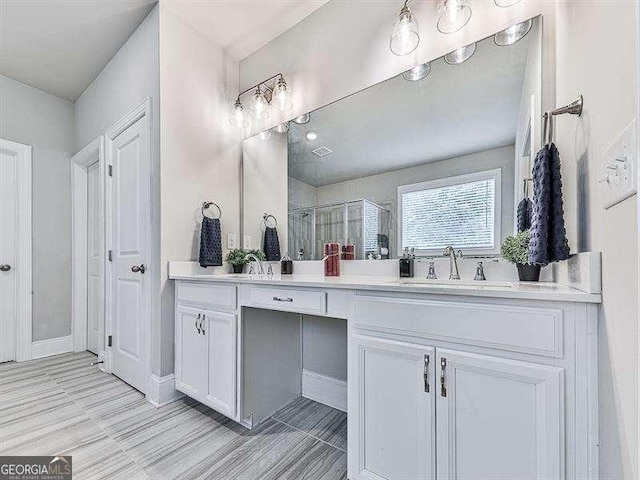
[(460, 55), (311, 135), (303, 118), (512, 34), (417, 73)]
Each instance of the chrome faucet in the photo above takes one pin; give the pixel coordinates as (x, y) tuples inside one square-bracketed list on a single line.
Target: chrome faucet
[(453, 262), (251, 256)]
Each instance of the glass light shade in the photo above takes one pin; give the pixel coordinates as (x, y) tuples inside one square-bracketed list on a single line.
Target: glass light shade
[(460, 55), (283, 127), (265, 135), (259, 106), (506, 3), (453, 15), (417, 73), (302, 119), (281, 98), (512, 34), (405, 34), (239, 118)]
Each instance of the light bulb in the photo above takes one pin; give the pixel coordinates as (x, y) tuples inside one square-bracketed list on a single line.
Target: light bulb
[(239, 118), (417, 73), (512, 34), (302, 118), (405, 34), (453, 15), (281, 98), (460, 55), (283, 127), (259, 106), (265, 135)]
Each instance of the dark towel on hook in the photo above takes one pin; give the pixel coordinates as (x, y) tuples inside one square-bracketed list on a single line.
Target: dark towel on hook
[(525, 210), (548, 241), (210, 243), (271, 244)]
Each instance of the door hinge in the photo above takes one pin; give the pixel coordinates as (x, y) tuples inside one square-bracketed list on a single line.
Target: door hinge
[(110, 340), (110, 255), (443, 384), (111, 170), (426, 373)]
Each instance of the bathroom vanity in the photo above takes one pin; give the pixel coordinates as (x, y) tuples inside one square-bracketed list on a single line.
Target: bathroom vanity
[(492, 381)]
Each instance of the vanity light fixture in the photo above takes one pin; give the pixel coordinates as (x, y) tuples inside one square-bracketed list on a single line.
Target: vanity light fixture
[(506, 3), (302, 119), (460, 55), (311, 135), (282, 128), (417, 73), (405, 33), (453, 15), (271, 91), (512, 34)]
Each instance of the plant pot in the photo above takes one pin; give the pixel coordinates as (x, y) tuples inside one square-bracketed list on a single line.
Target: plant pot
[(237, 268), (528, 272)]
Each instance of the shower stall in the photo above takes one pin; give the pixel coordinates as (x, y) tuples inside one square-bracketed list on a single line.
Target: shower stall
[(361, 223)]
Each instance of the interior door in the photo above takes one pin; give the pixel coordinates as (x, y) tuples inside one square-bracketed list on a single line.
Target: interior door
[(220, 330), (8, 199), (129, 156), (191, 353), (498, 418), (391, 414), (94, 261)]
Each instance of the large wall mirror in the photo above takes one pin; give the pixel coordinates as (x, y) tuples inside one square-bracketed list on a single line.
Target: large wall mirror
[(437, 156)]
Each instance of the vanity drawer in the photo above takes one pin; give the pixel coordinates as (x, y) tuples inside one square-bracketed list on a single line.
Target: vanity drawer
[(303, 301), (526, 329), (207, 295)]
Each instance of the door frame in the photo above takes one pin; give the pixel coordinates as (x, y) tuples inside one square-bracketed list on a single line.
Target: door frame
[(80, 163), (24, 247), (142, 110)]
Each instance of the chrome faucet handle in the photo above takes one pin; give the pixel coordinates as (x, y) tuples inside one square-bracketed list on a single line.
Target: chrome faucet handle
[(431, 274), (252, 270), (459, 254), (480, 273), (270, 269)]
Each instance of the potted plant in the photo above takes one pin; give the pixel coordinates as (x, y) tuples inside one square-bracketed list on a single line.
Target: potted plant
[(515, 249), (237, 259)]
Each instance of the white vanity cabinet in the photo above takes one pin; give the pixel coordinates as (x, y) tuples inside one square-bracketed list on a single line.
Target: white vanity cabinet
[(205, 345)]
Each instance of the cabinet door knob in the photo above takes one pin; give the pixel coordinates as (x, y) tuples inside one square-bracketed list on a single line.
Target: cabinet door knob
[(139, 269), (5, 268), (197, 320)]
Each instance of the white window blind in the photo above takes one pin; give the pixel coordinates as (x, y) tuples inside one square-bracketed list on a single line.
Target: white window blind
[(458, 211)]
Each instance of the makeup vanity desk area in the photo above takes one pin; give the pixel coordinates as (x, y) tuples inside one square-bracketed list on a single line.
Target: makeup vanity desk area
[(476, 381)]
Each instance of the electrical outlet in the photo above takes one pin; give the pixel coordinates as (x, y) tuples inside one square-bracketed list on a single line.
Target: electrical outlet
[(246, 244), (232, 241), (620, 179)]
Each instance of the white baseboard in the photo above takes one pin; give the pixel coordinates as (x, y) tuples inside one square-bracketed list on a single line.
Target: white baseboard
[(323, 389), (52, 346), (162, 390)]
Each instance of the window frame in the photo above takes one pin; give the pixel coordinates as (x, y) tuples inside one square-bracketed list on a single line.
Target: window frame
[(495, 174)]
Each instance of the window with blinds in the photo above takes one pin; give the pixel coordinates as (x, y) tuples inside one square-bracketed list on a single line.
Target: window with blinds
[(459, 211)]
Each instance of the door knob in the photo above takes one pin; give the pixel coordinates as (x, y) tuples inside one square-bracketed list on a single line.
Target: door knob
[(139, 269), (5, 268)]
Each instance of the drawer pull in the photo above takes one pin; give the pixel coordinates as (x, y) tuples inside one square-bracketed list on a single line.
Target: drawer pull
[(281, 299), (197, 320)]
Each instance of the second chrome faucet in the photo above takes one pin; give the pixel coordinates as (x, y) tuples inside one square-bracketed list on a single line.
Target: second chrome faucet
[(453, 262)]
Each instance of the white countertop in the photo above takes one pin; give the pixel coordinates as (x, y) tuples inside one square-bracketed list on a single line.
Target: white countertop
[(521, 290)]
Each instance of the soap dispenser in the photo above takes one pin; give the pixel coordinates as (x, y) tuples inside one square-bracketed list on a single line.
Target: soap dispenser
[(286, 265), (407, 263)]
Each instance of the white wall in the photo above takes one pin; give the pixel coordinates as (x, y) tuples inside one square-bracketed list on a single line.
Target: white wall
[(596, 57), (200, 151), (39, 119), (301, 194)]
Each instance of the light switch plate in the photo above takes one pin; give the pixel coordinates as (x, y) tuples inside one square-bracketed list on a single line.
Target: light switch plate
[(246, 244), (620, 176), (232, 241)]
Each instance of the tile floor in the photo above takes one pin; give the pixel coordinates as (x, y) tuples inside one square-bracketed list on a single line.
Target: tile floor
[(63, 406)]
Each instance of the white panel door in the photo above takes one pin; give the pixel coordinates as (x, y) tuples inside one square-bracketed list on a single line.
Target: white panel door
[(220, 330), (8, 223), (391, 416), (498, 418), (94, 261), (191, 353), (130, 158)]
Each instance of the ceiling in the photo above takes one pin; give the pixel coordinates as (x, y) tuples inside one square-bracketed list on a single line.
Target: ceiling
[(60, 46), (241, 27), (455, 111)]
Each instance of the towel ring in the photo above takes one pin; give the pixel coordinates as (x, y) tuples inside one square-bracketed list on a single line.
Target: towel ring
[(206, 205), (266, 217)]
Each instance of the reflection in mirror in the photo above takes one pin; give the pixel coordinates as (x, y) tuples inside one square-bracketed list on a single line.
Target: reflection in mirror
[(417, 161)]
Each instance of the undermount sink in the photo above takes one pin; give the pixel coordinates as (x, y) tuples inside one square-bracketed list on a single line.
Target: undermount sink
[(454, 283)]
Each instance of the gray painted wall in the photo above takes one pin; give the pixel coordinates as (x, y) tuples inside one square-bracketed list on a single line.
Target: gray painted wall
[(324, 346), (33, 117)]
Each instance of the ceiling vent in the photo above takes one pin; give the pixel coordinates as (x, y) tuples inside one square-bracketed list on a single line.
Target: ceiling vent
[(322, 151)]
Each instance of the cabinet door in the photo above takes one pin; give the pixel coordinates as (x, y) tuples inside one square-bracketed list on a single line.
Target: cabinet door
[(220, 331), (391, 410), (191, 353), (498, 418)]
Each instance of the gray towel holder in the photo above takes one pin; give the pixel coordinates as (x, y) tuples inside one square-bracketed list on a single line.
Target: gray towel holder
[(206, 205)]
